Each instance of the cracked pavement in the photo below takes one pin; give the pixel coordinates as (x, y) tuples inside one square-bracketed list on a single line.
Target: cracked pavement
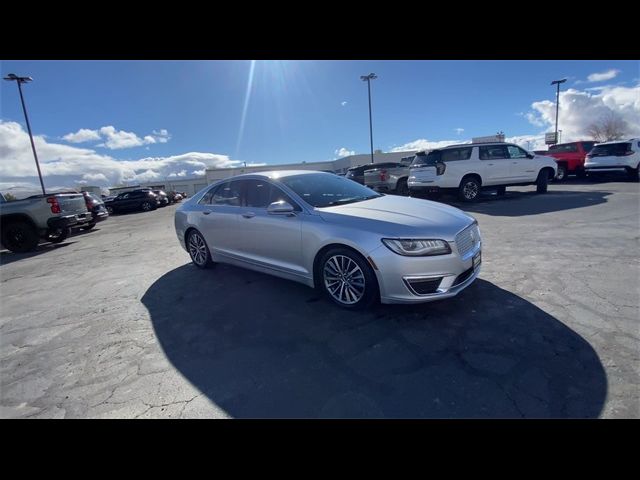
[(116, 323)]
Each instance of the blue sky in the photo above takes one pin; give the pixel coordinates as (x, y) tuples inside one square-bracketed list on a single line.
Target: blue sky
[(296, 110)]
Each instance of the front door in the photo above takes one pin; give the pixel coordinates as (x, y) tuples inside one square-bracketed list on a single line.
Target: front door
[(274, 241), (522, 167)]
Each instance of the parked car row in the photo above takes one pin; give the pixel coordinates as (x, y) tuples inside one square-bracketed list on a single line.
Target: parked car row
[(144, 199)]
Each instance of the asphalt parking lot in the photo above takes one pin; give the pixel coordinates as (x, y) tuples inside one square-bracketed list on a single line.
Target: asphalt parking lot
[(116, 322)]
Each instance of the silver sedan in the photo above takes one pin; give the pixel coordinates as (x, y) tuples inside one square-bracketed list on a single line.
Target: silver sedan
[(332, 233)]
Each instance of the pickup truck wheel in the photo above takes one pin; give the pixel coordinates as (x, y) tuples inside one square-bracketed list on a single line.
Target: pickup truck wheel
[(542, 182), (469, 190), (19, 237), (561, 176), (58, 235), (402, 188)]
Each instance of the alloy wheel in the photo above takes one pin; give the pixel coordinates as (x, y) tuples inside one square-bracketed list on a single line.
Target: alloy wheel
[(197, 249), (470, 190), (344, 279)]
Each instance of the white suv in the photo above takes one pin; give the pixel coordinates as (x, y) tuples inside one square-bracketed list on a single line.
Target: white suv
[(471, 167), (618, 156)]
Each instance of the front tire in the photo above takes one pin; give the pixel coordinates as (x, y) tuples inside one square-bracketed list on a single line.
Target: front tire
[(19, 237), (469, 190), (110, 210), (347, 279), (146, 206), (198, 250)]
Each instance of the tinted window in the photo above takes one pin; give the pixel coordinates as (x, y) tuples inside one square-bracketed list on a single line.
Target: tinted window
[(123, 196), (493, 152), (611, 149), (257, 193), (423, 158), (587, 146), (564, 148), (453, 154), (516, 152), (323, 190), (226, 194)]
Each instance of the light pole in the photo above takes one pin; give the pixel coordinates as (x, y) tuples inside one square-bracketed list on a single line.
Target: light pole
[(20, 80), (368, 78), (557, 82)]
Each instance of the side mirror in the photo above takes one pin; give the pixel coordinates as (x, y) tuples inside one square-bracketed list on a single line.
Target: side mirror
[(529, 155), (280, 208)]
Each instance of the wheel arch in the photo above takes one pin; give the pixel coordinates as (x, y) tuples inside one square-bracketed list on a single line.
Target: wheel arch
[(329, 246)]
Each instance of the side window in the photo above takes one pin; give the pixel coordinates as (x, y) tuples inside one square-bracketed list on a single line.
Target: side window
[(136, 195), (257, 193), (493, 152), (227, 194), (206, 198), (123, 196), (277, 195), (453, 154), (516, 152)]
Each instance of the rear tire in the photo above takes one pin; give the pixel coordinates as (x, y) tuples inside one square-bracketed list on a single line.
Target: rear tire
[(469, 189), (347, 279), (633, 174), (542, 182), (19, 237), (146, 206), (58, 235), (561, 176), (198, 250), (402, 188)]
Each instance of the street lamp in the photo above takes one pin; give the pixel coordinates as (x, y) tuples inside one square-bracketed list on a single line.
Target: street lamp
[(368, 78), (557, 82), (20, 80)]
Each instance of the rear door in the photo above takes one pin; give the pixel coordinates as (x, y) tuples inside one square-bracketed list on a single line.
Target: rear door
[(217, 218), (496, 164)]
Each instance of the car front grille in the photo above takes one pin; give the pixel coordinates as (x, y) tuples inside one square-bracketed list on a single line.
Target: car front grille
[(468, 239)]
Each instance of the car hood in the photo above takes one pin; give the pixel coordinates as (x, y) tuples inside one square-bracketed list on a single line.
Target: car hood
[(400, 216)]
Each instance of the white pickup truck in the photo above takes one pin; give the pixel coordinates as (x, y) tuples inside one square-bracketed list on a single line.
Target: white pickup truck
[(49, 217)]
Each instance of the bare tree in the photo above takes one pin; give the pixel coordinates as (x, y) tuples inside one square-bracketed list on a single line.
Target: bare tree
[(608, 127)]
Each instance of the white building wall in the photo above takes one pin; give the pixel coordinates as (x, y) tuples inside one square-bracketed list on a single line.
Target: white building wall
[(340, 165)]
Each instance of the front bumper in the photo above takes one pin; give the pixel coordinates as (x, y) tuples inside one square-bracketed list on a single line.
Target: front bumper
[(396, 272)]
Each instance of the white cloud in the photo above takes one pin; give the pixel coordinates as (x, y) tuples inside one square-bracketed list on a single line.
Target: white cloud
[(344, 152), (424, 144), (459, 131), (82, 135), (343, 103), (602, 76), (117, 139), (65, 164), (580, 108)]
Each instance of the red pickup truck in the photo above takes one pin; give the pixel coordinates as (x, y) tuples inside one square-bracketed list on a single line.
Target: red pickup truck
[(570, 157)]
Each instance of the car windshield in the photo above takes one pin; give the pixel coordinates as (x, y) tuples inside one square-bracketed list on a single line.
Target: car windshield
[(325, 190)]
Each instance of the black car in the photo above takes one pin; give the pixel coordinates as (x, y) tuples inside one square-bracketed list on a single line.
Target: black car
[(163, 198), (97, 208), (144, 200)]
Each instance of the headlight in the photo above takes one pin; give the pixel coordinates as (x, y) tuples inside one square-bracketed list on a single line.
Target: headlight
[(417, 248)]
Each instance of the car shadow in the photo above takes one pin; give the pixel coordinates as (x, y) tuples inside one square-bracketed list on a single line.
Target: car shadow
[(518, 203), (7, 257), (261, 347)]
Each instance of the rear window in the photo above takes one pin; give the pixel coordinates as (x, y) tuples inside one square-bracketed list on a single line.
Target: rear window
[(564, 148), (587, 146), (421, 159), (610, 149)]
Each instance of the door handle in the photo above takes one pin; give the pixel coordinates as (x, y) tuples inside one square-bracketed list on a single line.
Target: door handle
[(514, 163), (206, 212), (248, 215), (490, 164)]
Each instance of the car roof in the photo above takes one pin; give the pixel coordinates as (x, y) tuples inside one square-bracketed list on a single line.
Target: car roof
[(275, 174), (618, 141)]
